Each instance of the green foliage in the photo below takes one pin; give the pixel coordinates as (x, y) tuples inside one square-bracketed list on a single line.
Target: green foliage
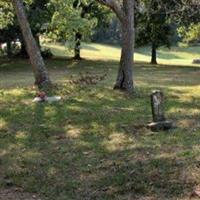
[(37, 11), (6, 14), (67, 21), (153, 25), (190, 35), (108, 32), (39, 15)]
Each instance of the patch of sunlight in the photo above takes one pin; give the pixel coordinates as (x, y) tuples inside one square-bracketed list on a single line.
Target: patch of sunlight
[(50, 111), (95, 125), (117, 142), (100, 95), (52, 171), (14, 147), (181, 62), (76, 108), (73, 132), (188, 90), (21, 135), (179, 52), (141, 57), (97, 51), (179, 153), (58, 50), (99, 129), (196, 148), (120, 109), (15, 92), (104, 96), (31, 154), (112, 125), (94, 51), (3, 124), (184, 111), (188, 123), (3, 153), (165, 155), (195, 91)]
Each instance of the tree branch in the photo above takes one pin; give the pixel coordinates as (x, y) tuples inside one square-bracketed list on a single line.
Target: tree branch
[(113, 5)]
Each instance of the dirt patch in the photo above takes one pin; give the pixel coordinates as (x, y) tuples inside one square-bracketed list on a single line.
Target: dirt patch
[(17, 194)]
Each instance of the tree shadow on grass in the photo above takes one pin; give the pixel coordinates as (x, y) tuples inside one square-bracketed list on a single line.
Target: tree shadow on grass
[(167, 55), (89, 47), (77, 149), (89, 147)]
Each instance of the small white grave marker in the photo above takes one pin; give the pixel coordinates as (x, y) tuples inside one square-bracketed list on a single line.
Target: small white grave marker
[(47, 99)]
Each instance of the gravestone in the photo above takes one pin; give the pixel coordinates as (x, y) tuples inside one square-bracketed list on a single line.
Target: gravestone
[(196, 61), (157, 106)]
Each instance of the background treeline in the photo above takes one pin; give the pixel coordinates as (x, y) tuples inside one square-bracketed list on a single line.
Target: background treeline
[(74, 21)]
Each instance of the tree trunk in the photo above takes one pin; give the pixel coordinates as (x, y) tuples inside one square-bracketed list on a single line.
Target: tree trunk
[(23, 52), (9, 49), (39, 69), (37, 39), (77, 51), (125, 74), (153, 54)]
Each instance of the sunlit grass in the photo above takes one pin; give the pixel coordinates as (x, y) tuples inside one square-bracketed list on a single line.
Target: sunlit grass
[(94, 144), (173, 56)]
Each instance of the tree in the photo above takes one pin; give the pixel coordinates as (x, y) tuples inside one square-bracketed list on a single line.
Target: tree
[(154, 27), (8, 35), (7, 30), (90, 10), (41, 75), (125, 13), (108, 32), (71, 22), (85, 9), (189, 21), (38, 14)]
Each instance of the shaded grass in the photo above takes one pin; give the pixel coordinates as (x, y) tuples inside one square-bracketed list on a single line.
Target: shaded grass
[(94, 144)]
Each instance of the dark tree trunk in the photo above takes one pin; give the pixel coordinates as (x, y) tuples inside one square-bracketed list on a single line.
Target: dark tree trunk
[(77, 51), (9, 49), (23, 52), (85, 9), (39, 68), (125, 74), (37, 39), (153, 54)]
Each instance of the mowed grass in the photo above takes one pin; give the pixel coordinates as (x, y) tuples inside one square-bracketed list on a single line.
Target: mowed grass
[(94, 144), (172, 56)]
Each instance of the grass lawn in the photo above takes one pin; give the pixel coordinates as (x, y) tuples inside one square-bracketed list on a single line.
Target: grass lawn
[(173, 56), (93, 144)]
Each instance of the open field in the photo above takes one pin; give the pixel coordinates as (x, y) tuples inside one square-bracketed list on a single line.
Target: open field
[(94, 143), (173, 56)]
